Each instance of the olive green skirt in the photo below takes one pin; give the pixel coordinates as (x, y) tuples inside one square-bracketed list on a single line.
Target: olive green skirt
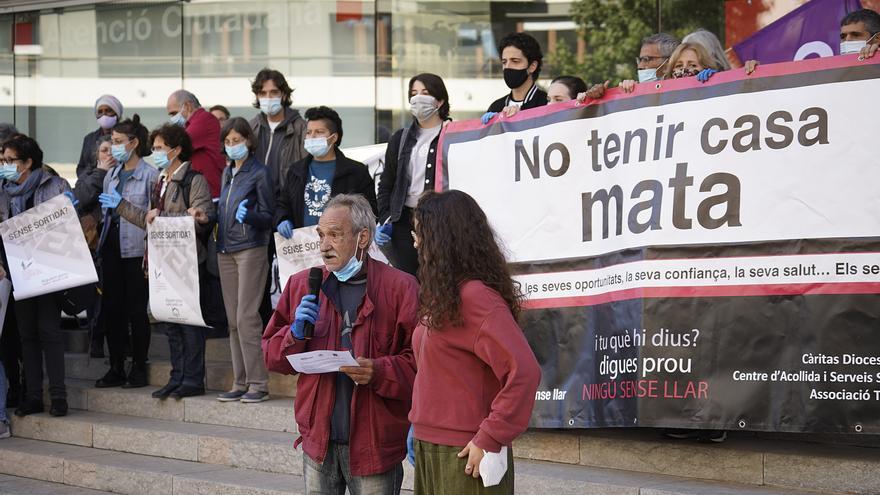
[(439, 471)]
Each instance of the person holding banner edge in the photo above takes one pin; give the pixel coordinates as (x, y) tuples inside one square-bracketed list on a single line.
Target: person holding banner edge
[(352, 423), (122, 246), (476, 374), (244, 226), (521, 59), (28, 184), (179, 191), (411, 168)]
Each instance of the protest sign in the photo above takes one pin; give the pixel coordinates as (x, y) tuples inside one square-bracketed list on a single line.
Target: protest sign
[(46, 249), (695, 255), (174, 271)]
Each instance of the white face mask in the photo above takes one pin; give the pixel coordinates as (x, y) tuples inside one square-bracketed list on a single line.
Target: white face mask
[(647, 75), (422, 107), (847, 47)]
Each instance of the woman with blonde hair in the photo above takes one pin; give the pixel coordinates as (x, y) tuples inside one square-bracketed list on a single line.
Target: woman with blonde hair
[(691, 59)]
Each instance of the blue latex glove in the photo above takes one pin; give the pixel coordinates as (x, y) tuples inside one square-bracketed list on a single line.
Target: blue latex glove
[(285, 228), (410, 447), (110, 199), (383, 234), (306, 311), (487, 117), (705, 74), (241, 212), (73, 199)]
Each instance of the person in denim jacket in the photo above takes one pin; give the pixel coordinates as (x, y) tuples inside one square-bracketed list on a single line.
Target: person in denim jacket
[(122, 246)]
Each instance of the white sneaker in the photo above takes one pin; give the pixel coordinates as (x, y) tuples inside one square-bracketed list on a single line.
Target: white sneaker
[(4, 430)]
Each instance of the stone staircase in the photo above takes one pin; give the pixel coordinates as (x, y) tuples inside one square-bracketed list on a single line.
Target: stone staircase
[(123, 441)]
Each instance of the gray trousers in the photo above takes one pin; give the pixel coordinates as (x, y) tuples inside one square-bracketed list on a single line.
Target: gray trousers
[(333, 476), (243, 279)]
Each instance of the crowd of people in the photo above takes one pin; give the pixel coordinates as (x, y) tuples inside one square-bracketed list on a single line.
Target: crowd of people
[(445, 375)]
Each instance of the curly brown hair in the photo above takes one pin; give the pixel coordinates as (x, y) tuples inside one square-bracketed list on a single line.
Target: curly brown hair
[(455, 244)]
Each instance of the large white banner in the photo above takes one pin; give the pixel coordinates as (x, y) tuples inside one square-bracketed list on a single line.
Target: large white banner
[(303, 251), (46, 249), (174, 271), (794, 163)]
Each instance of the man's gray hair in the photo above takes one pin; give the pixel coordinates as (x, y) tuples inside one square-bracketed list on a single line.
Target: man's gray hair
[(182, 96), (666, 43), (362, 216), (712, 45)]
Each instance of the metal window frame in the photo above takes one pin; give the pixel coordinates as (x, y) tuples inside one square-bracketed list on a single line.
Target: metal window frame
[(17, 6)]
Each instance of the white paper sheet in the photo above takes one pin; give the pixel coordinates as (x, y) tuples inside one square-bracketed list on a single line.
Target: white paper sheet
[(321, 361)]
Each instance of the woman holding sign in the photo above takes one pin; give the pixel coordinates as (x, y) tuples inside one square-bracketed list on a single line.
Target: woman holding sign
[(244, 224), (476, 374), (27, 185), (179, 191), (122, 246)]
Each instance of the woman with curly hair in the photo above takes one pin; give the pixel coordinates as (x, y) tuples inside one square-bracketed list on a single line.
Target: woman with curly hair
[(476, 374)]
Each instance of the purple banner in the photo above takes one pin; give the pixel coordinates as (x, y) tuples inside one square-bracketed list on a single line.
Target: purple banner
[(812, 30)]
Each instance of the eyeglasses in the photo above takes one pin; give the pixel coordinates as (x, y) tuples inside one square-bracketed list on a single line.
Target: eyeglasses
[(646, 59)]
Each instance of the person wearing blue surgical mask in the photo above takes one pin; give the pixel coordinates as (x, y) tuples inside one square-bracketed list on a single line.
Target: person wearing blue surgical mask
[(179, 191), (653, 56), (326, 172), (28, 184), (122, 246), (279, 129), (244, 227)]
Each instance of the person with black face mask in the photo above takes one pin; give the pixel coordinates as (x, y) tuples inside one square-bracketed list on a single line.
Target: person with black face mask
[(521, 59)]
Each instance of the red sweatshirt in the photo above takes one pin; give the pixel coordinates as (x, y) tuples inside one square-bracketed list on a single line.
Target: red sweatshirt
[(477, 381), (204, 132)]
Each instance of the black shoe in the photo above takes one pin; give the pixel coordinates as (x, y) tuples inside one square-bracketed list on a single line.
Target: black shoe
[(165, 391), (115, 376), (58, 407), (137, 377), (29, 407), (712, 436), (187, 391)]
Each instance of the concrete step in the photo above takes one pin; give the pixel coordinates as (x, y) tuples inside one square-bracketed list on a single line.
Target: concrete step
[(13, 485), (219, 374), (210, 444), (144, 475), (743, 458), (273, 415), (134, 474)]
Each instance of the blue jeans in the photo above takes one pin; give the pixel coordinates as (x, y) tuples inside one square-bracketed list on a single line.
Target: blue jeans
[(187, 346), (334, 475), (3, 417)]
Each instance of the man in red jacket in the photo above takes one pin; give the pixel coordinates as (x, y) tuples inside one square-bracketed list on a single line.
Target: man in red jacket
[(353, 423), (203, 128)]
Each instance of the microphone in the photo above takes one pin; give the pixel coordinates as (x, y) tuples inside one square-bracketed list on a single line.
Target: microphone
[(316, 276)]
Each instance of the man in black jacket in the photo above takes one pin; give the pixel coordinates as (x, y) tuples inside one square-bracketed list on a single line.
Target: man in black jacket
[(324, 173), (521, 59)]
